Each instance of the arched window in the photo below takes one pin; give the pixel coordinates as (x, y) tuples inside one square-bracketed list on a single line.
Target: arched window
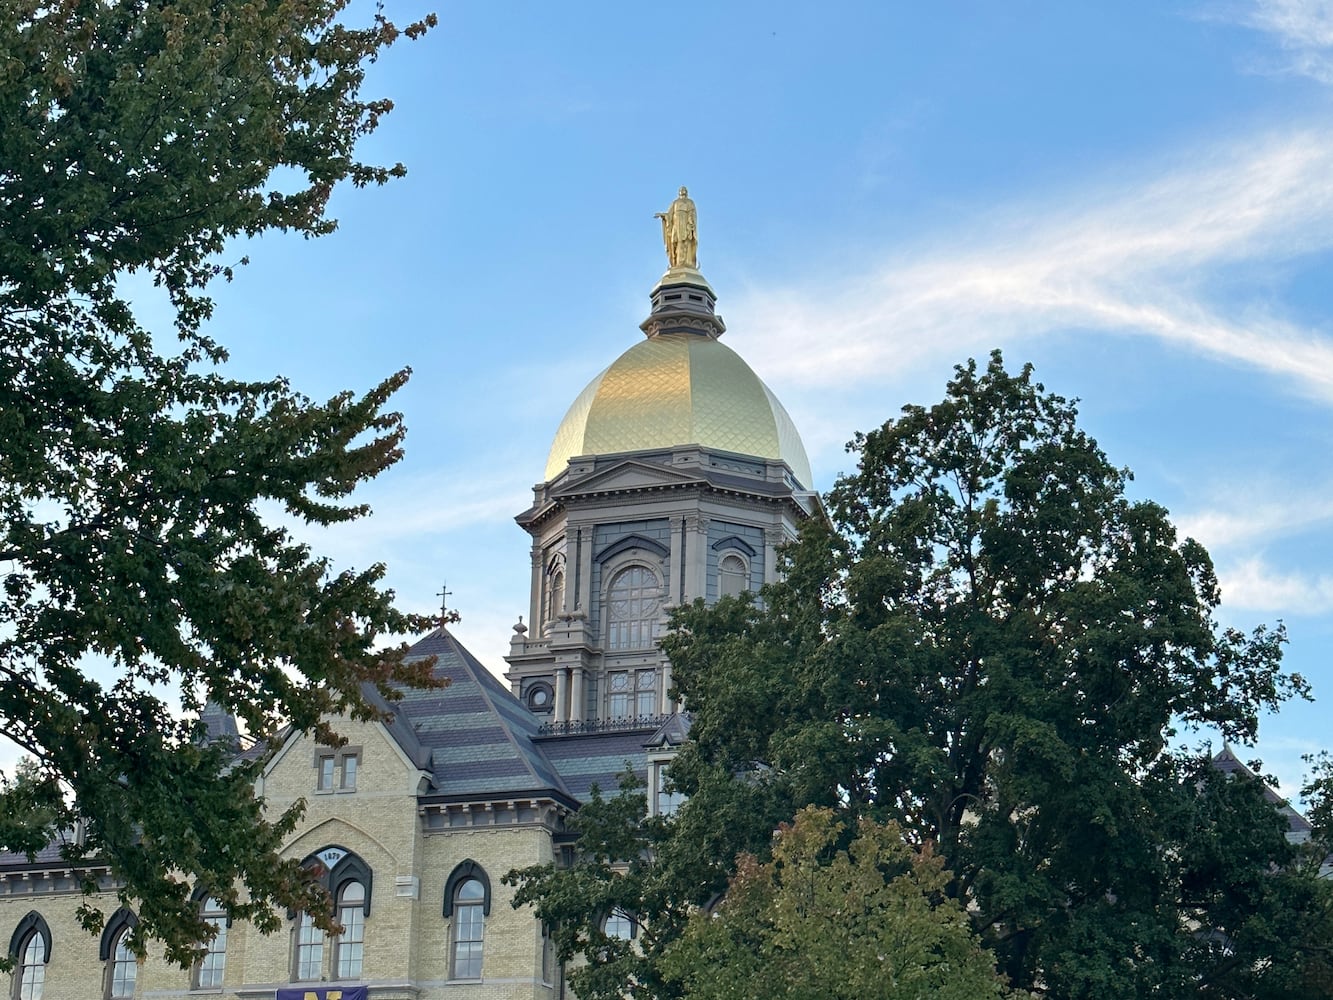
[(122, 967), (618, 924), (309, 949), (468, 929), (555, 590), (733, 576), (467, 899), (31, 948), (211, 966), (348, 946), (633, 602)]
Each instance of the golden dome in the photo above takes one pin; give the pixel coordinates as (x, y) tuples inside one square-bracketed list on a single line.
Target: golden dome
[(678, 389)]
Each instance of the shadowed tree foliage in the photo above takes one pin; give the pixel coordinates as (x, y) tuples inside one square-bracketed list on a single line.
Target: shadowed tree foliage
[(138, 550), (870, 921), (991, 645)]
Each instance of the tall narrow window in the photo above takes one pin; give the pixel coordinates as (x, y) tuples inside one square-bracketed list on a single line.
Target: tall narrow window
[(645, 692), (31, 973), (733, 576), (124, 969), (555, 593), (309, 949), (468, 899), (350, 943), (617, 698), (633, 602), (211, 966)]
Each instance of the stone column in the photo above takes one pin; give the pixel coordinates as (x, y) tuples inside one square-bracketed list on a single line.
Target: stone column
[(561, 694), (773, 537), (696, 557), (577, 696)]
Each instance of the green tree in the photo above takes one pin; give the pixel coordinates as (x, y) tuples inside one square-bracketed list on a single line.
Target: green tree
[(868, 921), (138, 137), (991, 645)]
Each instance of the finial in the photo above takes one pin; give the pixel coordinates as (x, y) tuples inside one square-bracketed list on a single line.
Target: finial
[(680, 232), (444, 594), (520, 628)]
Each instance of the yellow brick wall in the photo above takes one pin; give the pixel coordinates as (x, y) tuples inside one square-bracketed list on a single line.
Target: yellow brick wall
[(407, 942)]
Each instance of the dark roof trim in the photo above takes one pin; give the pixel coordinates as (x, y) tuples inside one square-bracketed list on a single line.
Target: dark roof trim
[(467, 870), (121, 921), (735, 542), (33, 923), (632, 542)]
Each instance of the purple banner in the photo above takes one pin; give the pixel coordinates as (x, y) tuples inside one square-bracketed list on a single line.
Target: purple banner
[(322, 993)]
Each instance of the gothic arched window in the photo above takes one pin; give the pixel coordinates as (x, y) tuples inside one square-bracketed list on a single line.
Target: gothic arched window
[(31, 948), (633, 602), (122, 967), (467, 900)]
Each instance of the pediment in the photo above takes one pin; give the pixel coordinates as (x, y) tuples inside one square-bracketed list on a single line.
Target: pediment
[(627, 476)]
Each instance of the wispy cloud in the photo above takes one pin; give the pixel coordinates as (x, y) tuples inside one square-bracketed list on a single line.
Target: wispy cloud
[(1304, 30), (1138, 261), (1251, 515), (1254, 585)]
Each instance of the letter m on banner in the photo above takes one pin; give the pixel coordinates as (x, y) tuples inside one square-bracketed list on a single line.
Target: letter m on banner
[(322, 993)]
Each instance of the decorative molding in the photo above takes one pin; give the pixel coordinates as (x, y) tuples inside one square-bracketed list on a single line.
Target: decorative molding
[(734, 542)]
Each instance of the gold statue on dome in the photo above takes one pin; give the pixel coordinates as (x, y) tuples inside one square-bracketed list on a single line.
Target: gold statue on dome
[(680, 232)]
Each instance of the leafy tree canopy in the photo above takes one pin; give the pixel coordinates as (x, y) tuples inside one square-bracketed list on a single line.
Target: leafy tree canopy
[(870, 921), (990, 644), (137, 137)]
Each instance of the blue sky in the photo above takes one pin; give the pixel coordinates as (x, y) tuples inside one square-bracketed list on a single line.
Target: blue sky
[(1136, 197)]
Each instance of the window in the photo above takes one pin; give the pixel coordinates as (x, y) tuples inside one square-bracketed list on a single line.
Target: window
[(350, 943), (631, 693), (215, 958), (309, 949), (338, 769), (468, 929), (124, 968), (733, 576), (467, 901), (548, 955), (665, 803), (30, 975), (618, 924), (633, 602), (555, 590)]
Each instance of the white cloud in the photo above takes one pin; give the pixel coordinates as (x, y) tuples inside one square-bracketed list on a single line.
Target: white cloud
[(1303, 28), (1254, 585), (1253, 514), (1137, 262)]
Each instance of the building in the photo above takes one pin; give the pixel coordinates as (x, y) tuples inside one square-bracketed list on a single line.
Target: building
[(675, 475)]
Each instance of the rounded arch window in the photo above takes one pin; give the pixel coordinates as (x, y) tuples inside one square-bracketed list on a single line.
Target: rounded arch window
[(213, 963), (469, 903), (733, 576), (350, 944), (555, 590), (633, 603)]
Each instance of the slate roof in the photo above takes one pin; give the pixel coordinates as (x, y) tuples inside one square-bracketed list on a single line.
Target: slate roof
[(479, 736), (1298, 827)]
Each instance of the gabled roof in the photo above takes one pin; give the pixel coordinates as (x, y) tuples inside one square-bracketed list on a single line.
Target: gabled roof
[(1298, 827), (479, 736)]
